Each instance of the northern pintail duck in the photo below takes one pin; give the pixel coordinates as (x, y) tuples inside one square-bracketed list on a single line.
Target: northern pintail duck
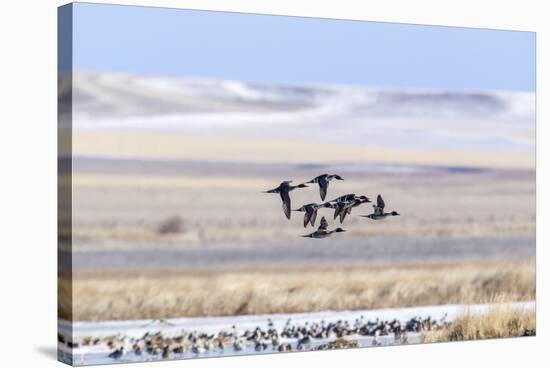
[(343, 205), (322, 231), (118, 353), (283, 189), (310, 210), (285, 348), (323, 181), (238, 345), (334, 203), (379, 213)]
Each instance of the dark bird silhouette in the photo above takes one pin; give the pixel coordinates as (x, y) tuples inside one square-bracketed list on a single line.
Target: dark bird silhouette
[(310, 212), (323, 181), (117, 353), (343, 205), (322, 231), (346, 208), (379, 213), (283, 189)]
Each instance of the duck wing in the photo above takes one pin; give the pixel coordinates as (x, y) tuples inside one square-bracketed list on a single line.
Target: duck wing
[(307, 216), (324, 224), (338, 209), (285, 197), (323, 186), (380, 202), (343, 215), (346, 210), (313, 217), (379, 207)]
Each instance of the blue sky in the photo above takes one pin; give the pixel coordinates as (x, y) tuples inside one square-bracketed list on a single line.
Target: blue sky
[(299, 50)]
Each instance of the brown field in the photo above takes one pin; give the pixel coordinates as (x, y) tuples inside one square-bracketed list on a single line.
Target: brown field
[(207, 293), (122, 205), (186, 147), (500, 321)]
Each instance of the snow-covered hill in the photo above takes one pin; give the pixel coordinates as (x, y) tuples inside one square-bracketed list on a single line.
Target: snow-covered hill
[(492, 120)]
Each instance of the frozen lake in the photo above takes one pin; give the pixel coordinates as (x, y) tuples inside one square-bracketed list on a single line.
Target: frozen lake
[(132, 330)]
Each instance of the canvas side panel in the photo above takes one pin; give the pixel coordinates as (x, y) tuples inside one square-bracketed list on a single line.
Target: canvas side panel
[(64, 182)]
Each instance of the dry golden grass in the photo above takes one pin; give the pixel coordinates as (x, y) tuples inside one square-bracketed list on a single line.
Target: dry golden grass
[(98, 297), (498, 322)]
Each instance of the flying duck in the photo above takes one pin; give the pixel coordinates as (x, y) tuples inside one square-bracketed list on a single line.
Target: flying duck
[(345, 207), (342, 205), (323, 181), (322, 231), (379, 213), (283, 189), (334, 203), (310, 212)]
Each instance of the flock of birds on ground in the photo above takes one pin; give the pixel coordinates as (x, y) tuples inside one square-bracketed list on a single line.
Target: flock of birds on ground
[(342, 205), (292, 337)]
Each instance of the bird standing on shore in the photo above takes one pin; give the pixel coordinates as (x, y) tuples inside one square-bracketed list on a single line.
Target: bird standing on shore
[(323, 181), (118, 353), (379, 213), (283, 189)]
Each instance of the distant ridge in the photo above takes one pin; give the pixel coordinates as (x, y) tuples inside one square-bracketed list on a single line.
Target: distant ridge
[(109, 95)]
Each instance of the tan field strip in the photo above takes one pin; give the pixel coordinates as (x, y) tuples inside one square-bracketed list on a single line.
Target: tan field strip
[(295, 290), (172, 146), (115, 181)]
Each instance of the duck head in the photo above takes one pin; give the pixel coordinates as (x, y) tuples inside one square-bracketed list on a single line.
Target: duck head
[(340, 230), (394, 213), (338, 177), (301, 186)]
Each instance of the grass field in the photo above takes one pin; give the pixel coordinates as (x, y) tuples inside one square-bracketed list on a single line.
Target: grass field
[(208, 293), (499, 322)]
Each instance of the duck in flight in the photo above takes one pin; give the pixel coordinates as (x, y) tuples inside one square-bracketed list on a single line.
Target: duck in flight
[(336, 203), (310, 210), (322, 231), (345, 209), (379, 213), (283, 189), (343, 205), (323, 181)]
